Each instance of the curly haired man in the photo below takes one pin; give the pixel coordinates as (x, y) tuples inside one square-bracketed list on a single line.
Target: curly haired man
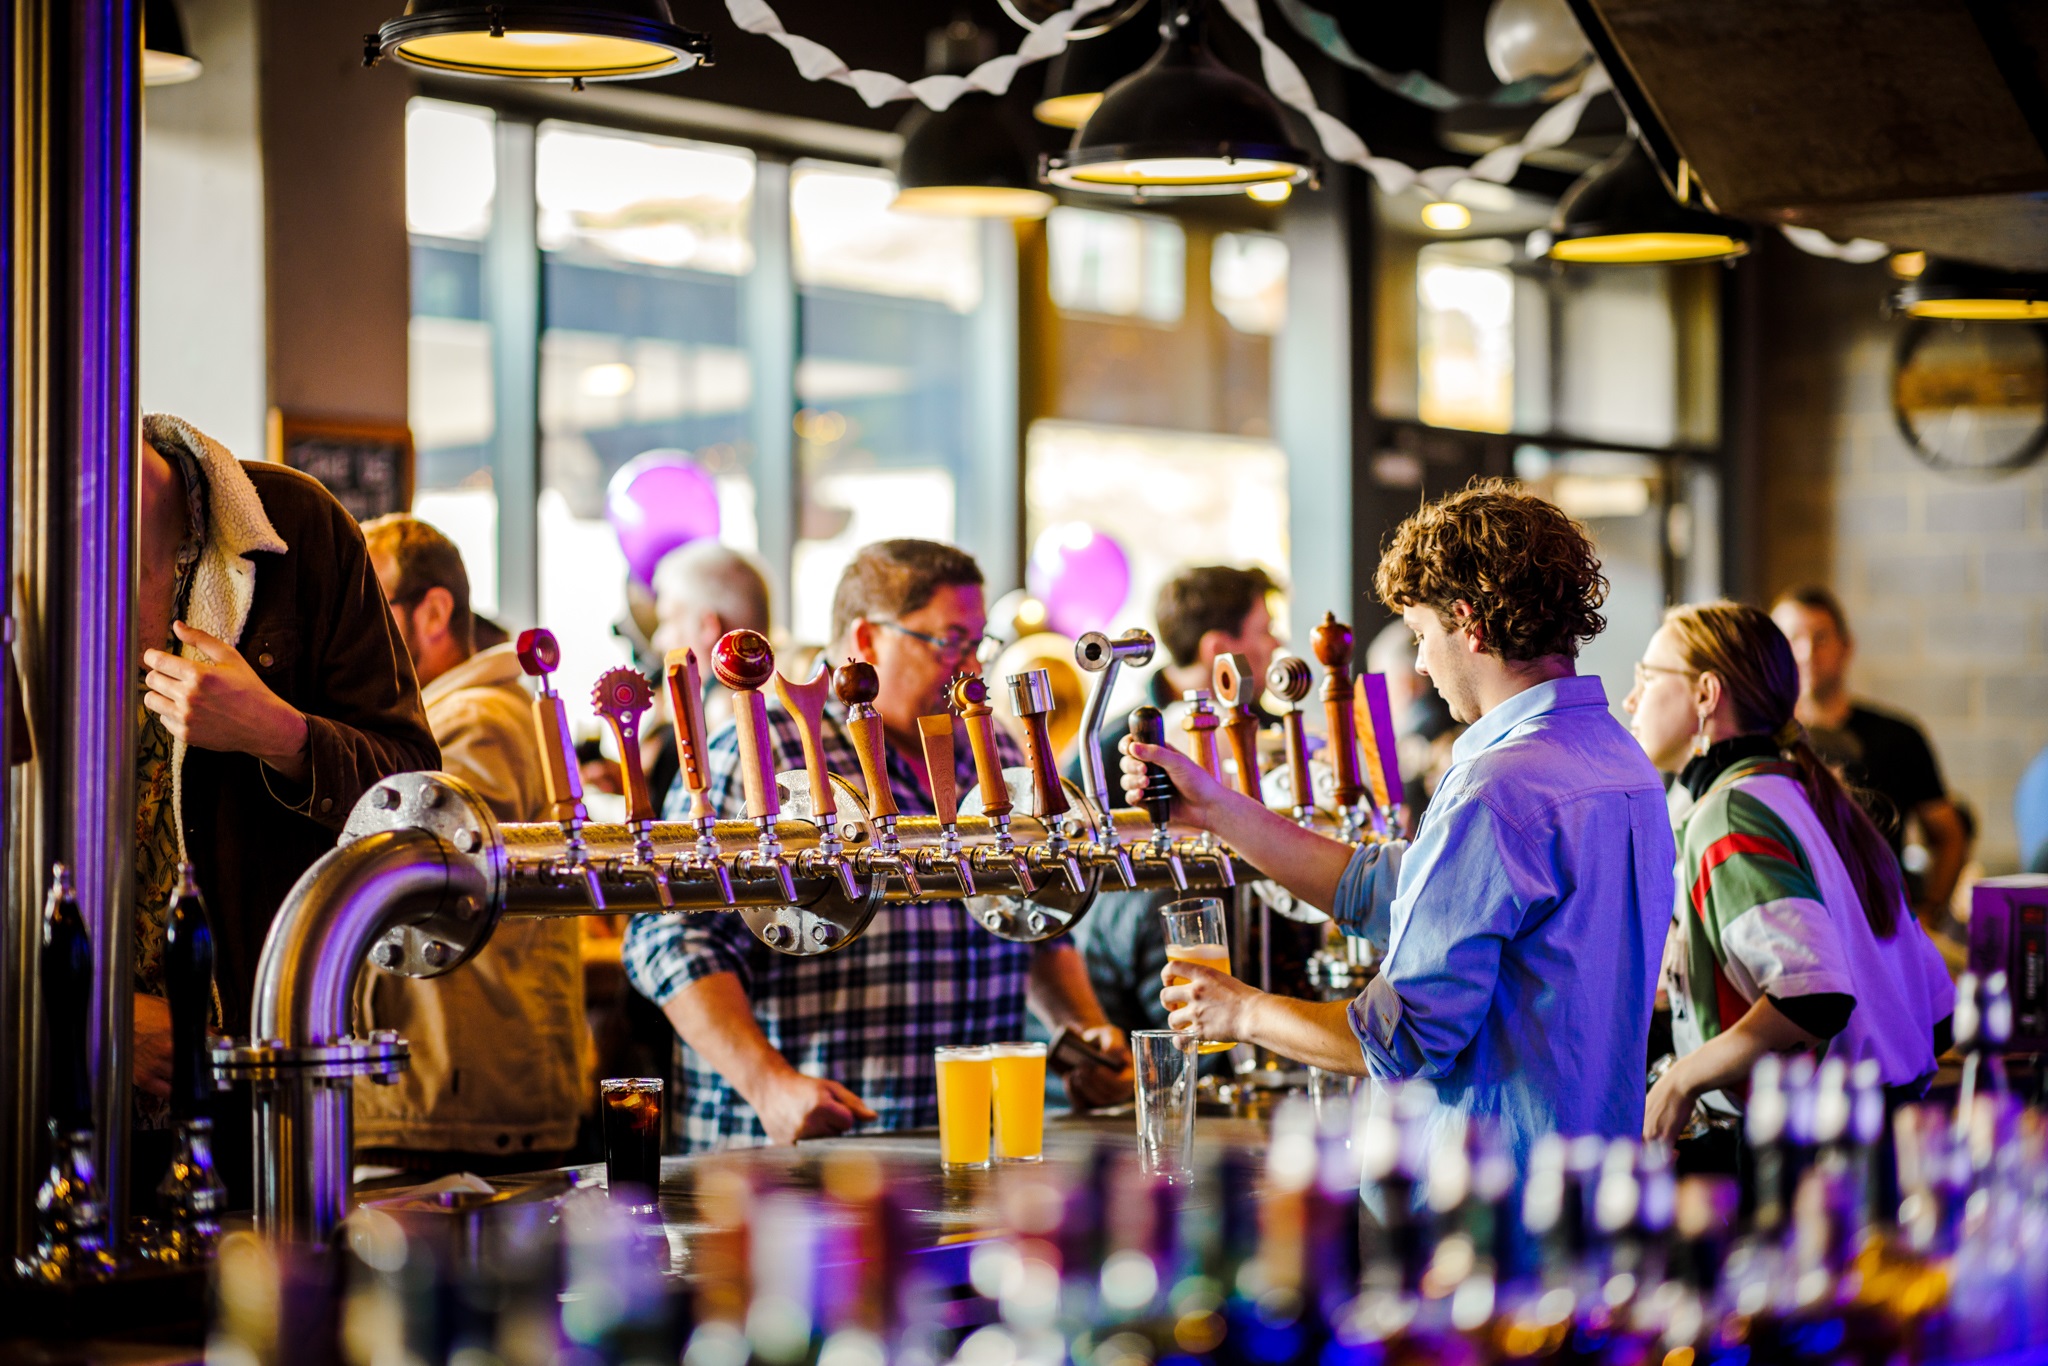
[(1524, 927)]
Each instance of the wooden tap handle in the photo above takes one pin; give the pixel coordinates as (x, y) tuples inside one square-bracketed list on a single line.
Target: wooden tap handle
[(858, 685), (937, 733), (1332, 641), (1289, 679), (1236, 688), (559, 769), (744, 662), (686, 703), (1373, 710), (806, 702), (1031, 699), (1200, 724), (969, 695), (622, 697)]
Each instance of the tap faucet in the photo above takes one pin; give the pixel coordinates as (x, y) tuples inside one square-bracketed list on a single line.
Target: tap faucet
[(622, 697), (1332, 642), (1289, 679), (744, 662), (806, 702), (858, 685), (686, 702), (1031, 698), (937, 733), (1103, 657), (969, 695), (540, 656), (1148, 727), (1237, 690)]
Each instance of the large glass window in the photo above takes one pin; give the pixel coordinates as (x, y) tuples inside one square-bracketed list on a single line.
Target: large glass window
[(643, 241), (450, 185), (1122, 265), (884, 303)]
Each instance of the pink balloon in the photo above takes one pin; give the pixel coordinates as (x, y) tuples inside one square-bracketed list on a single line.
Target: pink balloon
[(1081, 575), (659, 500)]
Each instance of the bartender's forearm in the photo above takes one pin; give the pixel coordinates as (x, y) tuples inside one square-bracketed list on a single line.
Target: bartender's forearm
[(1317, 1033), (714, 1016), (1059, 992), (1305, 863)]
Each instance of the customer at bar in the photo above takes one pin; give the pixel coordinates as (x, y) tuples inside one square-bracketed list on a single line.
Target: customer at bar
[(501, 1055), (1792, 931), (275, 693), (1880, 755), (1522, 928), (780, 1048)]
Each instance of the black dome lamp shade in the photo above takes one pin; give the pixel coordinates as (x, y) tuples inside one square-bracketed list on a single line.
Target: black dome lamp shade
[(1076, 79), (1960, 292), (965, 161), (596, 40), (166, 57), (1182, 124), (1622, 213)]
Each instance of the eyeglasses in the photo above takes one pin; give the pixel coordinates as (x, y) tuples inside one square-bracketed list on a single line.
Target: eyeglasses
[(1643, 672), (954, 645)]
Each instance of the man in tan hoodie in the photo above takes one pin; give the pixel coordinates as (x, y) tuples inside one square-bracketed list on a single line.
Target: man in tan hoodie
[(501, 1053)]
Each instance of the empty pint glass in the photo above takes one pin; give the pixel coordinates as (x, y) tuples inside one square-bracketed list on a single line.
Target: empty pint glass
[(632, 1138), (1165, 1063)]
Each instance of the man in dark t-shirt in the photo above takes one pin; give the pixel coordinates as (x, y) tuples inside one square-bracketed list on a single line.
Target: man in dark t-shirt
[(1884, 756)]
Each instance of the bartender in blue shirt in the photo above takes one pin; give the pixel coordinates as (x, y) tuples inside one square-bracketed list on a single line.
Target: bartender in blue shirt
[(1524, 928)]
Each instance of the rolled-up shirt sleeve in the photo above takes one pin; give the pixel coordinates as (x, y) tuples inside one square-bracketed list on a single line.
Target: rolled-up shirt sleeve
[(1471, 881), (1365, 894), (665, 953)]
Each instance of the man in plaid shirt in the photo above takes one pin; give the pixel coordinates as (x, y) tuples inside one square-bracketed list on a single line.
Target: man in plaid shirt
[(778, 1048)]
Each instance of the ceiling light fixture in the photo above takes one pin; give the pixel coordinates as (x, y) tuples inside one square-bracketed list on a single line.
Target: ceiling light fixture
[(1271, 192), (594, 40), (1907, 265), (166, 57), (1182, 124), (964, 161), (1446, 216), (1622, 213), (1960, 292), (1076, 79)]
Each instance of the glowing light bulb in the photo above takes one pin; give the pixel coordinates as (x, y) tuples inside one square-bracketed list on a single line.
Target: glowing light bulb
[(1272, 192), (1446, 216)]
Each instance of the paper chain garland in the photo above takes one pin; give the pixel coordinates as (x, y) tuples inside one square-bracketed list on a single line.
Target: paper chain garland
[(816, 62)]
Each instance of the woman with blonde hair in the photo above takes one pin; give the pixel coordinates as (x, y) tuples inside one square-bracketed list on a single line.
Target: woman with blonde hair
[(1795, 933)]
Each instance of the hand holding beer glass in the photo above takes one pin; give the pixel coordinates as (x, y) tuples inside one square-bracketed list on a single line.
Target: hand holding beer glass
[(1194, 934)]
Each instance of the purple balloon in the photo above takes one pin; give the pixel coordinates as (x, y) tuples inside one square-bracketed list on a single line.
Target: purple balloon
[(658, 501), (1081, 575)]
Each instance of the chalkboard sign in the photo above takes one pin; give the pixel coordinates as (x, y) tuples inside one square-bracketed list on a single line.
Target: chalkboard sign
[(366, 466)]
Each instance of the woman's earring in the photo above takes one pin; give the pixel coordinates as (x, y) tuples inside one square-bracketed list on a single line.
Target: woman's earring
[(1699, 737)]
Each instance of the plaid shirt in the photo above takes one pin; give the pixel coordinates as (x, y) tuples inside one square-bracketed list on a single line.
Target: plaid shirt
[(922, 976)]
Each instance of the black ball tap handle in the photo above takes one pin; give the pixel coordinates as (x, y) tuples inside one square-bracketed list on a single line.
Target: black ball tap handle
[(1148, 727)]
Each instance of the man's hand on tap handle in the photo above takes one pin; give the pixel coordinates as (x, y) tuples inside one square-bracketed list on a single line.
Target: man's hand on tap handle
[(1198, 798), (797, 1106)]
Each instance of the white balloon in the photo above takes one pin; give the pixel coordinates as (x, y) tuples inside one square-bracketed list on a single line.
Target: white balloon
[(1533, 38)]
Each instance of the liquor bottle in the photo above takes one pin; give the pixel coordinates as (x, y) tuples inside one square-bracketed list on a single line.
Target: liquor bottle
[(1752, 1278), (191, 1196), (1696, 1328)]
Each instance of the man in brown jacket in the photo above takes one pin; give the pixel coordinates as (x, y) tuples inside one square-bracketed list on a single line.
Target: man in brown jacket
[(275, 692), (501, 1053)]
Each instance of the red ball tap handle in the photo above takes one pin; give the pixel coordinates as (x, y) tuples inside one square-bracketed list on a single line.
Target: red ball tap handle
[(744, 662), (857, 686), (539, 656)]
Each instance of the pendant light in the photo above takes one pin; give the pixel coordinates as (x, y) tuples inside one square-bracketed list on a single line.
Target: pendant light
[(964, 161), (1182, 124), (1959, 292), (590, 40), (1076, 79), (166, 57), (1621, 213)]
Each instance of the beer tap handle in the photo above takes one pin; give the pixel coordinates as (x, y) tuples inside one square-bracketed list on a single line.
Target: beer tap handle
[(744, 662), (66, 970), (1031, 698), (1236, 689), (1332, 641), (686, 702), (1289, 679), (969, 693), (858, 685), (188, 987), (1200, 723), (540, 656), (1373, 711), (622, 697), (806, 702), (1148, 727), (937, 734)]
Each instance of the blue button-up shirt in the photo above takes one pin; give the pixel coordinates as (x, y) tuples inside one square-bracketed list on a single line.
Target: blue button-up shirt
[(1524, 927)]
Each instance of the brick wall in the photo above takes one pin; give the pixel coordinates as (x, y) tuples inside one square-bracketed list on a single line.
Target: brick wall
[(1945, 579)]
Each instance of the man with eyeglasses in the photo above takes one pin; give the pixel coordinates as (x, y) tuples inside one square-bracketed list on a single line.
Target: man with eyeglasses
[(778, 1048)]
